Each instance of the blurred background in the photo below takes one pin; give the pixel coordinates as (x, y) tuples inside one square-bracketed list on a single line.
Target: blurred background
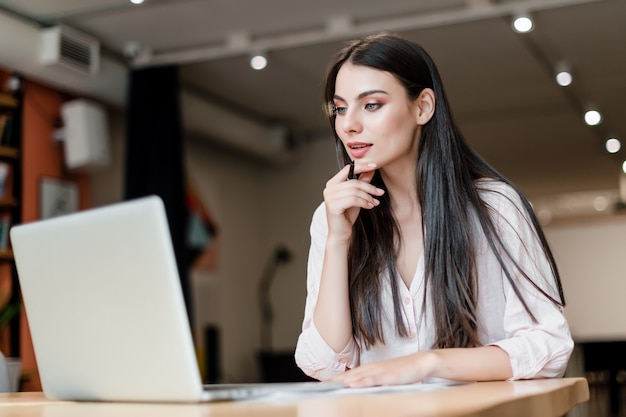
[(257, 149)]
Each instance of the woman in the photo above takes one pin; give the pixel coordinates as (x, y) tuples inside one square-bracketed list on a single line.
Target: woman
[(426, 263)]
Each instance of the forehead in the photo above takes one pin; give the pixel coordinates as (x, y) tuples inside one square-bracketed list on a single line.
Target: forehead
[(353, 79)]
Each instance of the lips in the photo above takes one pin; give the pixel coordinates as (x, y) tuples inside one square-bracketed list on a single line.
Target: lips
[(358, 149)]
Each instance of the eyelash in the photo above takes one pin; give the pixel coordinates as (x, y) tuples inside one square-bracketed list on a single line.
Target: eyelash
[(337, 110)]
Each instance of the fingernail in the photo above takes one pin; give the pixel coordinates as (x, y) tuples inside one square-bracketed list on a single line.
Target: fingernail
[(371, 164), (380, 191)]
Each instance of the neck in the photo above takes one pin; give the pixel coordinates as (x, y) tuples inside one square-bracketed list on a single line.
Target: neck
[(402, 189)]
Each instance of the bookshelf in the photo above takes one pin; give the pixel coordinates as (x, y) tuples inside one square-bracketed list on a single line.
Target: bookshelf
[(10, 208), (9, 164)]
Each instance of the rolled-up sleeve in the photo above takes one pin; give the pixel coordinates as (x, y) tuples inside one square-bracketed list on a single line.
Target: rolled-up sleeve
[(318, 360), (538, 348), (313, 355)]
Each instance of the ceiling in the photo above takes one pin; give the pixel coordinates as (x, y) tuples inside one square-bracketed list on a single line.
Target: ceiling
[(499, 82)]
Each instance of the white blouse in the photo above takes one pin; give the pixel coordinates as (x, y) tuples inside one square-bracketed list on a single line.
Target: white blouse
[(536, 349)]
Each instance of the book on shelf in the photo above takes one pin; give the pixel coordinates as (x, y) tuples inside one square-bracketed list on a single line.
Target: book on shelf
[(6, 180), (4, 120), (6, 134), (5, 225)]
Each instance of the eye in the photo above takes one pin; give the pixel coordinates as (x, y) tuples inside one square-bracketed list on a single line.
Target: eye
[(338, 110), (372, 106)]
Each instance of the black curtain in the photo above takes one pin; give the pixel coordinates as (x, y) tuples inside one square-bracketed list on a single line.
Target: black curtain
[(154, 153)]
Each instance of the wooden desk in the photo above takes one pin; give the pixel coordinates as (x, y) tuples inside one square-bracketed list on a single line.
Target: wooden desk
[(540, 398)]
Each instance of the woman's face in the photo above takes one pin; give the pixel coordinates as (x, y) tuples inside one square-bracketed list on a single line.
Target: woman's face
[(374, 118)]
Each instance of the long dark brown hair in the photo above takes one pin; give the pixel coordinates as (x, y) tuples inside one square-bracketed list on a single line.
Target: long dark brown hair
[(446, 175)]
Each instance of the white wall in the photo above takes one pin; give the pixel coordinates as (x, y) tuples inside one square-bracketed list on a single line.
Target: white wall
[(256, 208), (591, 256), (291, 196), (233, 192)]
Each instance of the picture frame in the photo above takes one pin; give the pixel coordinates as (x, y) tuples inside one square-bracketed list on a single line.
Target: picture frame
[(57, 197)]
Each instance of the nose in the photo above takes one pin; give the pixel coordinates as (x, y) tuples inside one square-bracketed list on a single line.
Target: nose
[(349, 122)]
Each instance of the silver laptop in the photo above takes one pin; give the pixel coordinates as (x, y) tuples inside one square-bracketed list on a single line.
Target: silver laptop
[(106, 312)]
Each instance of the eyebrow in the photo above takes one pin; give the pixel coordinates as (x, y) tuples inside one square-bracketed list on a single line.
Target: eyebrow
[(363, 94)]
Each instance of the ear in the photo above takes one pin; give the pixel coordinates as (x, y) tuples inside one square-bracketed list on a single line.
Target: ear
[(424, 106)]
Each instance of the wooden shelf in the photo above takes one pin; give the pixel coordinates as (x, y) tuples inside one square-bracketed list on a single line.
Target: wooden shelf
[(7, 202), (8, 152), (7, 101), (6, 254)]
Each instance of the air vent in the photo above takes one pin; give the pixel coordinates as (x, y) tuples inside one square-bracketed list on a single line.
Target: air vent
[(71, 49)]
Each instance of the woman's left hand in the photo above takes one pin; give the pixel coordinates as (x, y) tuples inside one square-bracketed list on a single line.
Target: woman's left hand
[(397, 371)]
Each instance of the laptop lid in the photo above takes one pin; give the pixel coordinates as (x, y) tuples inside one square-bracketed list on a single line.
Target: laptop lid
[(105, 307)]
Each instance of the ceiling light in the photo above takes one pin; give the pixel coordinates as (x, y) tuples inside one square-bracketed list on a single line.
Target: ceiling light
[(563, 75), (258, 62), (522, 23), (593, 117), (624, 167), (613, 145), (137, 1), (564, 78)]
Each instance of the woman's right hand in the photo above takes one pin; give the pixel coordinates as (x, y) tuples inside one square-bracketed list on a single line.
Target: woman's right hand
[(344, 198)]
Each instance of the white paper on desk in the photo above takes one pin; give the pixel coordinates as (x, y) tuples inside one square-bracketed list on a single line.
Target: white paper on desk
[(417, 387)]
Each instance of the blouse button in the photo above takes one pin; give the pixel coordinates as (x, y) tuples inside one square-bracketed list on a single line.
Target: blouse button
[(407, 300)]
